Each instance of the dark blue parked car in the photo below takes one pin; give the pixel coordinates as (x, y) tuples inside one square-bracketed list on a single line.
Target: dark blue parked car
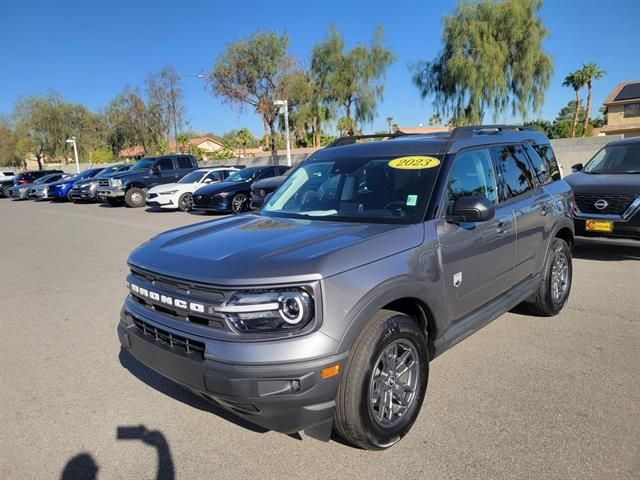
[(61, 190)]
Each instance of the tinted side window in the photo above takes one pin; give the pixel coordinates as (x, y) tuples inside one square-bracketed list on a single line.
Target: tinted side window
[(185, 162), (281, 170), (547, 155), (539, 166), (165, 164), (471, 175), (267, 172), (515, 176)]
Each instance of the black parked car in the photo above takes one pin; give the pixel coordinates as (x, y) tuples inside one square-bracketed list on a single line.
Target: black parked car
[(23, 179), (607, 191), (232, 195), (86, 190), (261, 188), (131, 186)]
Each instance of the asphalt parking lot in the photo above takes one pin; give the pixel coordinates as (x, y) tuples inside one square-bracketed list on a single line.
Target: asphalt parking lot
[(524, 398)]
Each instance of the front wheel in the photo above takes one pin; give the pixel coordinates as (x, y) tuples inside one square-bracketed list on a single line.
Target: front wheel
[(185, 202), (239, 203), (553, 292), (384, 382), (135, 197)]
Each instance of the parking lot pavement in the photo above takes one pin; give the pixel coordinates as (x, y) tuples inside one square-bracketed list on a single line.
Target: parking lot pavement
[(524, 398)]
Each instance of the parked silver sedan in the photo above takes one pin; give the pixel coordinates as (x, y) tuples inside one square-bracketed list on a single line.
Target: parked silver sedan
[(24, 191)]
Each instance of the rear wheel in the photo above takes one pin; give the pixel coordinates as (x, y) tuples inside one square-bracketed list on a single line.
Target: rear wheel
[(135, 197), (554, 290), (5, 191), (384, 382), (185, 202), (69, 196), (239, 203)]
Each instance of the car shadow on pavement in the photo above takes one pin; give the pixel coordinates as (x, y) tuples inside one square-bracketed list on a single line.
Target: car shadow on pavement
[(160, 210), (604, 250), (175, 391), (83, 467)]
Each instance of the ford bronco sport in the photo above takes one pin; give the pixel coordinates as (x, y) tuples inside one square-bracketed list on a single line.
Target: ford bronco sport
[(323, 311)]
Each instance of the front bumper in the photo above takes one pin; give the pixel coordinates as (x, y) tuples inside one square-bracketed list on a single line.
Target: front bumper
[(213, 204), (161, 201), (85, 194), (256, 201), (626, 225), (111, 192), (287, 398)]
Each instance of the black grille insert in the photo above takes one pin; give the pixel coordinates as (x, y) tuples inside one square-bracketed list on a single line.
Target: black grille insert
[(191, 347), (617, 204)]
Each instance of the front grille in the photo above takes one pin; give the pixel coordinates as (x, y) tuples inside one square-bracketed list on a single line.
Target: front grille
[(201, 199), (182, 290), (617, 204), (171, 339), (104, 182)]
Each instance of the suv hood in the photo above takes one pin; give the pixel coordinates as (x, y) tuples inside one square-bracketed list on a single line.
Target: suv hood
[(256, 250), (621, 183), (128, 173)]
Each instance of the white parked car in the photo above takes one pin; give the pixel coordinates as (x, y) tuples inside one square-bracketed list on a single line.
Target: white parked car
[(179, 195), (6, 175)]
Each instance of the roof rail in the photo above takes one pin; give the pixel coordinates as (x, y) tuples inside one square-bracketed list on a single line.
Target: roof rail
[(465, 132), (351, 139)]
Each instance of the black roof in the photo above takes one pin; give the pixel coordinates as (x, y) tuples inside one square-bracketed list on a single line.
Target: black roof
[(626, 141), (628, 92), (432, 143)]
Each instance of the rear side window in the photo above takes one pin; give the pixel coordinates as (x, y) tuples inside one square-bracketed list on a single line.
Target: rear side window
[(185, 162), (549, 158), (539, 166), (165, 164), (471, 175), (515, 176), (266, 173)]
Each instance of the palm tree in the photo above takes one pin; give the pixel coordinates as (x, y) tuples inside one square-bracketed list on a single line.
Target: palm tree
[(390, 124), (575, 81), (590, 71)]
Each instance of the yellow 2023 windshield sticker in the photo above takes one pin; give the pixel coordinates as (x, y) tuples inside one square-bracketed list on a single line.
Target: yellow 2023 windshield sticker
[(414, 163)]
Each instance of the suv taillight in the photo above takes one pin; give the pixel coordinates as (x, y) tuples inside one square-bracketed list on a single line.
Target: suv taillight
[(22, 181)]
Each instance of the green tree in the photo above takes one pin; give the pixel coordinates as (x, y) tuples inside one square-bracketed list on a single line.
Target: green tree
[(254, 72), (575, 80), (589, 72), (435, 120), (165, 103), (543, 126), (390, 124), (9, 156), (492, 59), (351, 80)]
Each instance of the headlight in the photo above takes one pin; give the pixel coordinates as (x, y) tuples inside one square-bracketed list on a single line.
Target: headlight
[(223, 194), (116, 182), (170, 192), (269, 311)]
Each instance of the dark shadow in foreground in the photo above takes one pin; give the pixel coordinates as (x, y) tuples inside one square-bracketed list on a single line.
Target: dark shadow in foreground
[(80, 467), (155, 439), (175, 391)]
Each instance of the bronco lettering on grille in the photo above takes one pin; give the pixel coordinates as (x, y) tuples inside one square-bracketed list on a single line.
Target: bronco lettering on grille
[(166, 300)]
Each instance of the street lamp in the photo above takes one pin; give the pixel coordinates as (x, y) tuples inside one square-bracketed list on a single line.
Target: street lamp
[(285, 106), (72, 141)]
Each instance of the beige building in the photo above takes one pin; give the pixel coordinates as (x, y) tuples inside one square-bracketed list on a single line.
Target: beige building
[(623, 110)]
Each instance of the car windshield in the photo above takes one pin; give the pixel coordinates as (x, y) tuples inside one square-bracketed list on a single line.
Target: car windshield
[(109, 170), (143, 163), (88, 174), (615, 159), (44, 179), (244, 175), (376, 190), (192, 177)]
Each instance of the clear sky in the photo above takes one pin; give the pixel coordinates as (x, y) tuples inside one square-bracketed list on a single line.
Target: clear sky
[(89, 50)]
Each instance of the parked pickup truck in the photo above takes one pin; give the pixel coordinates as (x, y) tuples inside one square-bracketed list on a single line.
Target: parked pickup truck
[(323, 311), (131, 186)]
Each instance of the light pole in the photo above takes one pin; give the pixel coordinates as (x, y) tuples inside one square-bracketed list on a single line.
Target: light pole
[(72, 141), (283, 104)]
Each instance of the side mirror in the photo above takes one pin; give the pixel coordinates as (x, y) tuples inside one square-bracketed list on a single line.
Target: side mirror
[(472, 209), (207, 180), (156, 170), (577, 167)]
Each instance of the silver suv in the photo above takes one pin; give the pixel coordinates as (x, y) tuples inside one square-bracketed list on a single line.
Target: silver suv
[(323, 310)]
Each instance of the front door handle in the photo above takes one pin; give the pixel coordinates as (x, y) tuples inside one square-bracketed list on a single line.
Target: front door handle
[(503, 228)]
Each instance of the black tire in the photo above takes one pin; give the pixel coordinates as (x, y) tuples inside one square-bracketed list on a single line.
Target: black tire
[(69, 199), (185, 202), (114, 202), (135, 197), (239, 203), (355, 419), (546, 302), (5, 191), (100, 198)]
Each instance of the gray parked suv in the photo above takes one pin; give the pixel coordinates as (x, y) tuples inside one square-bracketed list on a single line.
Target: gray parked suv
[(323, 310)]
